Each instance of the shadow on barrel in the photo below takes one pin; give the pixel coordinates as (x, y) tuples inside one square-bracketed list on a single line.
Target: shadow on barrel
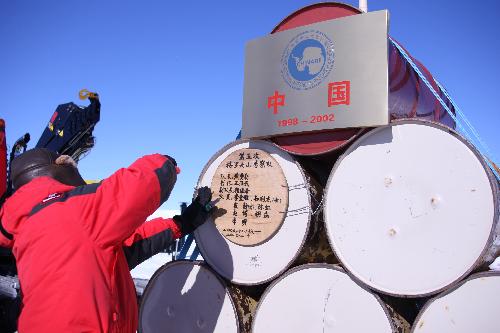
[(187, 296)]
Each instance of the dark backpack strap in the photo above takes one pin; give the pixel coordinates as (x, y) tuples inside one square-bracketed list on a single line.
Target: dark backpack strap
[(4, 232)]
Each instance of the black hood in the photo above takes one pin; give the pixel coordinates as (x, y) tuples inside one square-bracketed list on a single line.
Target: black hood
[(40, 162)]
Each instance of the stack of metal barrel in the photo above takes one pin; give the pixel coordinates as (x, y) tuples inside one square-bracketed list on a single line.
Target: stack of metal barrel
[(386, 229)]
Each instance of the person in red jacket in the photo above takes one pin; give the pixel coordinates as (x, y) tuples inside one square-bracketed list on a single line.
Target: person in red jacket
[(69, 239)]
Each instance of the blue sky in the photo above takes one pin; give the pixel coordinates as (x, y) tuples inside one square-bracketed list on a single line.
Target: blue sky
[(170, 74)]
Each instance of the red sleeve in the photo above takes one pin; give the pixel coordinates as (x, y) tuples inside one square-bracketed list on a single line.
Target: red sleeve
[(153, 227), (123, 201)]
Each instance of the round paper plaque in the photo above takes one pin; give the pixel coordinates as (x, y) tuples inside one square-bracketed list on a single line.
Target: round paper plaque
[(253, 196)]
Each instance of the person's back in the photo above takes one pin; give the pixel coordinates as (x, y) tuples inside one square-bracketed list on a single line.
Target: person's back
[(68, 240)]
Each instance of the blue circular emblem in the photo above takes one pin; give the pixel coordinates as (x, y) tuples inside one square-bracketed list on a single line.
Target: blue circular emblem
[(307, 60)]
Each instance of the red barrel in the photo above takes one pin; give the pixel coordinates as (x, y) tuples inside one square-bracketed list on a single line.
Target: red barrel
[(409, 97)]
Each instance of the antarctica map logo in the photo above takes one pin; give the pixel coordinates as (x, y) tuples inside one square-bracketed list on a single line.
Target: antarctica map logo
[(307, 60)]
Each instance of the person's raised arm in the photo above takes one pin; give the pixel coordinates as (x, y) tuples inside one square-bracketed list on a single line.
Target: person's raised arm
[(123, 201)]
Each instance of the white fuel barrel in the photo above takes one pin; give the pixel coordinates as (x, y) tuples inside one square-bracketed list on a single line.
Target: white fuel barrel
[(322, 298), (412, 208), (264, 211), (472, 306), (184, 297)]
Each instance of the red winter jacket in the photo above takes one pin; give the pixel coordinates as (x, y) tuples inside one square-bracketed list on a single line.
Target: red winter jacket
[(68, 246)]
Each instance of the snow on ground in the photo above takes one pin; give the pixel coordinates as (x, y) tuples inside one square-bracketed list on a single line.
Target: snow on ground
[(165, 213)]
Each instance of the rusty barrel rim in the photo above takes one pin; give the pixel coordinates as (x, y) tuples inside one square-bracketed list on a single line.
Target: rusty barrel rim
[(336, 10)]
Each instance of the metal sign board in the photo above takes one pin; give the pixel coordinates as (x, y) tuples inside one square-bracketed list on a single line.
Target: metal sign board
[(327, 75)]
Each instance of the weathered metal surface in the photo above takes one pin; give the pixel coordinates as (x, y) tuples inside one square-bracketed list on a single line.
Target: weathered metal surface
[(408, 308), (400, 323), (316, 248), (245, 299)]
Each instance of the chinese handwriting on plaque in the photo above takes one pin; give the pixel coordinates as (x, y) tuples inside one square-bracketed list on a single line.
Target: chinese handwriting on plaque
[(275, 101), (254, 209), (339, 93)]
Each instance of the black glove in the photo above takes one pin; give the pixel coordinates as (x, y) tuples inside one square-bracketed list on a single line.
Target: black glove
[(204, 197), (197, 212)]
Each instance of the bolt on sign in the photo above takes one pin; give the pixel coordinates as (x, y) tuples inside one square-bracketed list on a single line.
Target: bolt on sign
[(327, 75), (254, 211)]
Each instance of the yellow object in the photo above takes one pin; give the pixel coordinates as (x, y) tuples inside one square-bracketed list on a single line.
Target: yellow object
[(61, 133), (84, 94), (51, 127)]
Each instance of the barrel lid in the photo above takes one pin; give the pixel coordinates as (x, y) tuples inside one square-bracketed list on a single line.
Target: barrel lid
[(186, 296), (470, 306), (411, 208), (320, 298)]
